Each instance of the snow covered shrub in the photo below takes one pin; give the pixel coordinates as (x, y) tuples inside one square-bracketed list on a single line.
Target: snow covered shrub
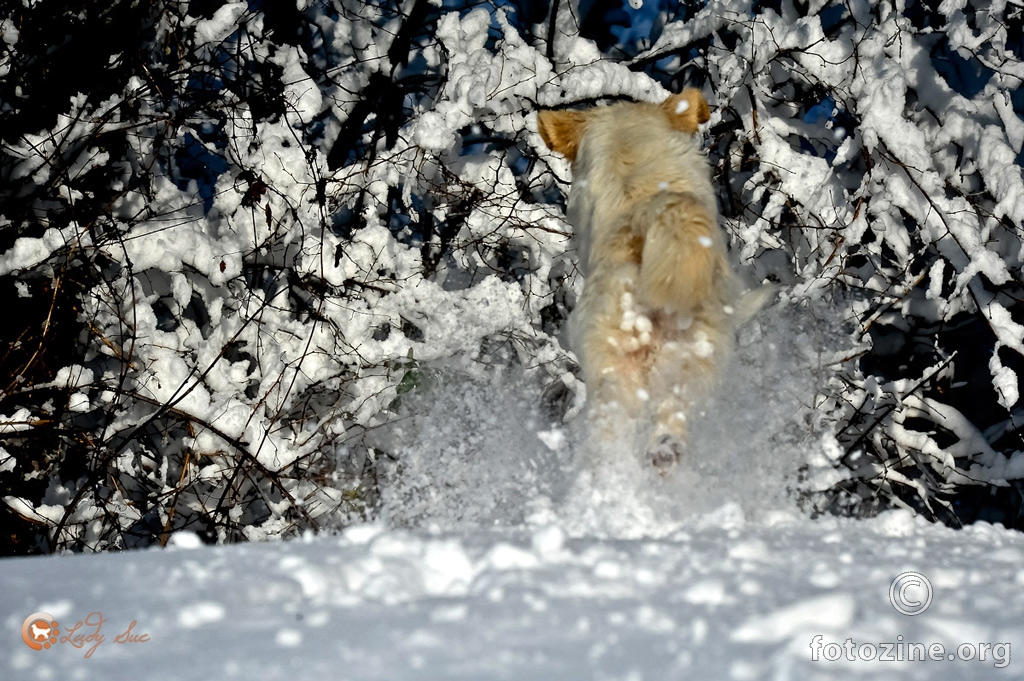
[(234, 235)]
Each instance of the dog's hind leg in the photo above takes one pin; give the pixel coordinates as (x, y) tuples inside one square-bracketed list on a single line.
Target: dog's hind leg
[(614, 353), (684, 371)]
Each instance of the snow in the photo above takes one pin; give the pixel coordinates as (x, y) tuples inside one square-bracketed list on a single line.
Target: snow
[(303, 95), (30, 251), (730, 598), (221, 25)]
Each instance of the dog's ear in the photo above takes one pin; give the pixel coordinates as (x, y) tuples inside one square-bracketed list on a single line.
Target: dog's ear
[(562, 130), (687, 110)]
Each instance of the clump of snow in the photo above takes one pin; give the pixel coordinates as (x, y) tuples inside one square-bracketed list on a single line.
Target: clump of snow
[(222, 24), (30, 251), (7, 461), (198, 614), (184, 540)]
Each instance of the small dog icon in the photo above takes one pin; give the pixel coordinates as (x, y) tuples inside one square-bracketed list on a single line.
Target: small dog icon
[(40, 633), (656, 319)]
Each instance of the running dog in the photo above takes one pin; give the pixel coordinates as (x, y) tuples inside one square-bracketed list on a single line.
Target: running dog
[(654, 324)]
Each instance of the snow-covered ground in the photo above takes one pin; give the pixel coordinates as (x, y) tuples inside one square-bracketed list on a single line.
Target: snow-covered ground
[(503, 554), (727, 598)]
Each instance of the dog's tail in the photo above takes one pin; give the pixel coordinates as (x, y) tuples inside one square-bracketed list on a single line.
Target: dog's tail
[(683, 265)]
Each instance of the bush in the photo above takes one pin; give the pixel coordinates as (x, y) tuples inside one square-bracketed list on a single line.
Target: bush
[(259, 226)]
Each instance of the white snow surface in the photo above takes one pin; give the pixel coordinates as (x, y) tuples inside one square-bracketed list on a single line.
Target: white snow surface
[(726, 598), (504, 551)]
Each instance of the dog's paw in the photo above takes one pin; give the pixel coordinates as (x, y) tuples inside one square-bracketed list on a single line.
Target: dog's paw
[(665, 453)]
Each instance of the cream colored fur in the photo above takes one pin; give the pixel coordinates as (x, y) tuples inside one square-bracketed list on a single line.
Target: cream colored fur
[(654, 323)]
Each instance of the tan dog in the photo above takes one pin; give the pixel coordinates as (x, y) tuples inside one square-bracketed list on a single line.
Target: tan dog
[(654, 323)]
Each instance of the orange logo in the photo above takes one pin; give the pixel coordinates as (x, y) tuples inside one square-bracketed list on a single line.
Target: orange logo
[(39, 631)]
